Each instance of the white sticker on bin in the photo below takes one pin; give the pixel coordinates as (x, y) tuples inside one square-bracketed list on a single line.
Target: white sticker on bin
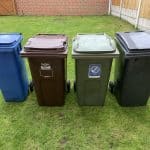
[(45, 66)]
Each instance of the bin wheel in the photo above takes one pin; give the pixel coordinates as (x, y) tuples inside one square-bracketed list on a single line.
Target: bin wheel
[(74, 86), (68, 86), (111, 87), (31, 86)]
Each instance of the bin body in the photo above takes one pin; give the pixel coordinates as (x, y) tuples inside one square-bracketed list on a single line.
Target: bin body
[(47, 60), (92, 91), (13, 77), (132, 69), (92, 67)]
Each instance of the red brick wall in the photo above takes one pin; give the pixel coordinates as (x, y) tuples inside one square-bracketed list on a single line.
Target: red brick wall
[(62, 7)]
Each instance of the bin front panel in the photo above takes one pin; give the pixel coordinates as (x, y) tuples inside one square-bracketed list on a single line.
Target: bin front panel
[(92, 77), (133, 88), (48, 74), (13, 79)]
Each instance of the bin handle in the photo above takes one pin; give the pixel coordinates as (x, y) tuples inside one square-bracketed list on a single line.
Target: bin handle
[(28, 43), (112, 43), (75, 44)]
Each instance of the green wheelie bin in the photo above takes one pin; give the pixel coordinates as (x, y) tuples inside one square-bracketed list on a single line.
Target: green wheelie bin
[(93, 54)]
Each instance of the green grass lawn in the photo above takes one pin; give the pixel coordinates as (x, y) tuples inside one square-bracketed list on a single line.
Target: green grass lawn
[(28, 126)]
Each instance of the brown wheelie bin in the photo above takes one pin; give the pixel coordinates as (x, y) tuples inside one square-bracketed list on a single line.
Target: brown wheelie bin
[(47, 55)]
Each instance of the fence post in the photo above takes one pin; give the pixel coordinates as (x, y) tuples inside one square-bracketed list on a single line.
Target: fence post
[(109, 9), (138, 14), (121, 4), (15, 6)]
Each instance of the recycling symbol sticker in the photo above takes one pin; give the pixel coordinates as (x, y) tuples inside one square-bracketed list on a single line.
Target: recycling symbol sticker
[(94, 71)]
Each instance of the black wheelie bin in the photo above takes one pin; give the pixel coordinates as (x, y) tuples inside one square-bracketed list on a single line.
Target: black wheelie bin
[(131, 84)]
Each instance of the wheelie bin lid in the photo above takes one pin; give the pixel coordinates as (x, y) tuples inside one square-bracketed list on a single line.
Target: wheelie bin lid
[(46, 44), (9, 39), (94, 45), (135, 42)]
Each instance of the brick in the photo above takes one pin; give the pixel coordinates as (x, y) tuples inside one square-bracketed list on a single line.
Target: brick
[(62, 7)]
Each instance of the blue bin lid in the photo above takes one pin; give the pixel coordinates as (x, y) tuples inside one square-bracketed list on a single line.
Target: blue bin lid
[(9, 39)]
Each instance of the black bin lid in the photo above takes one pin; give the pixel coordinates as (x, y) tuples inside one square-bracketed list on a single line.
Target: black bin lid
[(135, 41)]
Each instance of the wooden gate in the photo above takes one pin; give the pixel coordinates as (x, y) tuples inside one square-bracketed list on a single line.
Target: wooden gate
[(7, 7)]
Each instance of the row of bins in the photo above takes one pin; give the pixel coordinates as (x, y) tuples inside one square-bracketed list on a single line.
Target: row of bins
[(93, 54)]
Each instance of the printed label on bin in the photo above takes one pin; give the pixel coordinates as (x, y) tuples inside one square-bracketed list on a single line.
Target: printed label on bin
[(94, 71), (45, 66), (46, 70)]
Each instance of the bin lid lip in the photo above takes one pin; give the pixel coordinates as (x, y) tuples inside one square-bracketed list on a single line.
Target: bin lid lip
[(9, 38), (135, 42), (46, 43), (93, 43)]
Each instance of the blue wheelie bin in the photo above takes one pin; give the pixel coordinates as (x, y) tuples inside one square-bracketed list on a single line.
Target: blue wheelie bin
[(13, 78)]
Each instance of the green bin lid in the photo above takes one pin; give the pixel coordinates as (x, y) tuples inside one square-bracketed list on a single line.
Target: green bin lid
[(93, 43)]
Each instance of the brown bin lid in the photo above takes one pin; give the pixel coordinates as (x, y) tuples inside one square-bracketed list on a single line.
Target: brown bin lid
[(47, 43)]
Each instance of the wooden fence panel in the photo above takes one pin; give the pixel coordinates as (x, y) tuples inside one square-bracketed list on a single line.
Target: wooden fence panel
[(145, 9), (7, 7), (116, 2), (137, 12), (130, 4)]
